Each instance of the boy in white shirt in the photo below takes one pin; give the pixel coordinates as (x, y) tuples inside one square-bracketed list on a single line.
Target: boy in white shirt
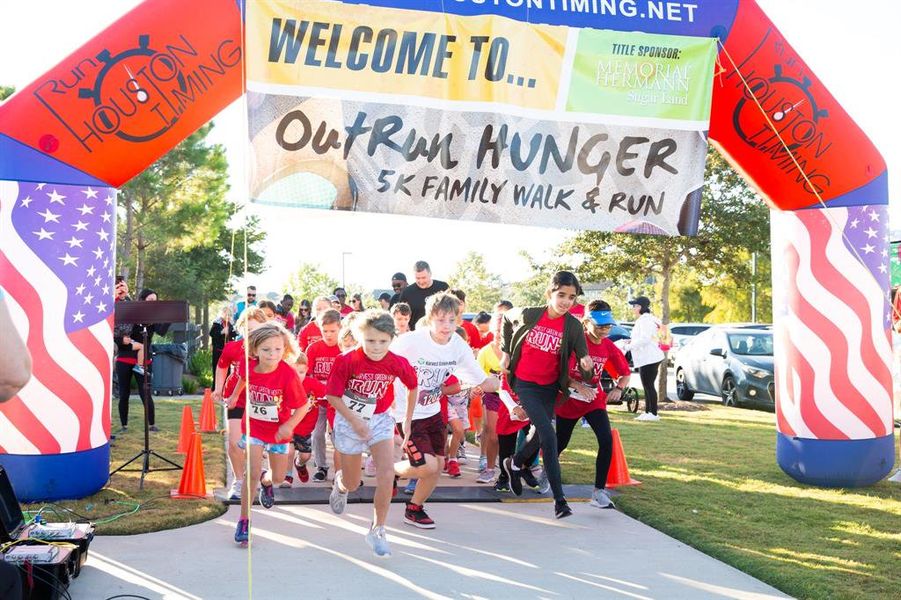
[(436, 352)]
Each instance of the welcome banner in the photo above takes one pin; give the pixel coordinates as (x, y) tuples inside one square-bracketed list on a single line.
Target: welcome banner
[(483, 118)]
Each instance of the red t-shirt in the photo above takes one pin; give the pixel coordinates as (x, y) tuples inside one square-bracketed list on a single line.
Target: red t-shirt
[(606, 357), (539, 361), (577, 310), (272, 397), (320, 358), (346, 310), (287, 320), (506, 425), (232, 356), (315, 391), (363, 376), (475, 338), (309, 334)]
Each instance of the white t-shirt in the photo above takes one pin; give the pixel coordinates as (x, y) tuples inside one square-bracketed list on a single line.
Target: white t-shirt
[(434, 363)]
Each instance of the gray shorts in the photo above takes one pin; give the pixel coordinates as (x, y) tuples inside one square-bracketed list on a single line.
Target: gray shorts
[(381, 428)]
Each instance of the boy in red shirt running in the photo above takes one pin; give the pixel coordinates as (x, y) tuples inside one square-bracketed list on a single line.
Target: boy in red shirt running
[(321, 356), (303, 447), (361, 389), (276, 405), (310, 332)]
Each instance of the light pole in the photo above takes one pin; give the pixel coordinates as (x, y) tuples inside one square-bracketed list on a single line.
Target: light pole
[(343, 282)]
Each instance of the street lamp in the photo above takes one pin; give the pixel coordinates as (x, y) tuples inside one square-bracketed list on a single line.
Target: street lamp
[(343, 282)]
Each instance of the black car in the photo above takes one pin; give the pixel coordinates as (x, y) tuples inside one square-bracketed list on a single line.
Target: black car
[(733, 363)]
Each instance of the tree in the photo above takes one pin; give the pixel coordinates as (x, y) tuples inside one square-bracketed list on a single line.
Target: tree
[(175, 205), (308, 282), (6, 91), (483, 288), (734, 221)]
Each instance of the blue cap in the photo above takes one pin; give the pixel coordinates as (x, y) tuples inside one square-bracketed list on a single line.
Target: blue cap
[(602, 317)]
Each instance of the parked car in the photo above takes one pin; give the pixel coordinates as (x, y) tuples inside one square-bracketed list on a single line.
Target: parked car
[(682, 333), (732, 362)]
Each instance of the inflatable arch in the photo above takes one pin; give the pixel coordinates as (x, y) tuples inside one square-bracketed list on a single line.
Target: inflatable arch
[(86, 127)]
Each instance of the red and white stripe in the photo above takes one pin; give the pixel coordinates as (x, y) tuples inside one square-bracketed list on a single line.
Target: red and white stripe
[(833, 352), (65, 406)]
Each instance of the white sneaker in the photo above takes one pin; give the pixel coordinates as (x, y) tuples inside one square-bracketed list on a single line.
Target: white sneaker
[(486, 476), (369, 468), (601, 499), (234, 493), (337, 500), (643, 417), (378, 541), (653, 417), (461, 455)]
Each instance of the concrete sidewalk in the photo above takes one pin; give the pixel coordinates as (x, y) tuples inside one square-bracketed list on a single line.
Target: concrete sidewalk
[(508, 550)]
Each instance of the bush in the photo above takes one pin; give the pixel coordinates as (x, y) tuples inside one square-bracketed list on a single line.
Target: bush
[(205, 380), (189, 385), (200, 362)]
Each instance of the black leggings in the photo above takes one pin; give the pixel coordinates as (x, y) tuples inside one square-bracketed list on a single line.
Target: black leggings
[(600, 424), (648, 374), (124, 373), (538, 402)]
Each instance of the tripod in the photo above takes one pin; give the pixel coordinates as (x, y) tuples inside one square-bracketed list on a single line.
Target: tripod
[(145, 314)]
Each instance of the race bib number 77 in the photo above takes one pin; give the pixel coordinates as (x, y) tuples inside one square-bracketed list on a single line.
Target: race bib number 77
[(361, 406)]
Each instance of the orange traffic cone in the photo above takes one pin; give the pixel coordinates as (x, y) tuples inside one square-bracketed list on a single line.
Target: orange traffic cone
[(193, 479), (187, 430), (207, 413), (619, 469)]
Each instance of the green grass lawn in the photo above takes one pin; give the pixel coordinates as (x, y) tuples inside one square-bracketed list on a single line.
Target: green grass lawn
[(121, 508), (710, 479)]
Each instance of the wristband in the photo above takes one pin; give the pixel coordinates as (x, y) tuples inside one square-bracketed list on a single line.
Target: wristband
[(620, 388)]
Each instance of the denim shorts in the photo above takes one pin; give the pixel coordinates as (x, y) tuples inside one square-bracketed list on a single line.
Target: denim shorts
[(267, 446), (346, 440)]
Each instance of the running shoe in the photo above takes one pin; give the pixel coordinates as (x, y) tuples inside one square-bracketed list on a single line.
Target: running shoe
[(411, 487), (514, 475), (461, 454), (562, 509), (234, 493), (643, 417), (502, 485), (416, 516), (378, 541), (601, 499), (337, 499), (288, 482), (156, 429), (138, 369), (483, 462), (485, 476), (267, 495), (321, 474), (242, 533), (529, 479), (585, 424), (544, 485), (303, 474), (369, 468), (453, 469), (653, 417)]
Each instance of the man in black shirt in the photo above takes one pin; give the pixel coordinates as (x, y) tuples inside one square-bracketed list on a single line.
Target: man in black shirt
[(425, 286)]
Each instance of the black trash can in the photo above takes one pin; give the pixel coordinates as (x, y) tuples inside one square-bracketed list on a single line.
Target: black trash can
[(169, 362)]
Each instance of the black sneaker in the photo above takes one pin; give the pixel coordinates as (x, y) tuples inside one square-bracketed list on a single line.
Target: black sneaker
[(530, 480), (562, 509), (321, 474), (514, 474), (416, 516), (502, 485)]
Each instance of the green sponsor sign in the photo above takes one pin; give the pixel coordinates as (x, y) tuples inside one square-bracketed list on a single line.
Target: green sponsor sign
[(642, 75)]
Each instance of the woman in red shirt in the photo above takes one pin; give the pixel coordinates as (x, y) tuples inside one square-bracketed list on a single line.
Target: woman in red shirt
[(605, 356), (538, 343)]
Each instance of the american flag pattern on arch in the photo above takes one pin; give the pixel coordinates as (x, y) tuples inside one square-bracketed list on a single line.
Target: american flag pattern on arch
[(56, 264), (833, 351)]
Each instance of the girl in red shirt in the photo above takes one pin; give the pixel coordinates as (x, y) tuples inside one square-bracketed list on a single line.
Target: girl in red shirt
[(537, 346), (361, 389), (226, 377), (276, 404), (606, 356)]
